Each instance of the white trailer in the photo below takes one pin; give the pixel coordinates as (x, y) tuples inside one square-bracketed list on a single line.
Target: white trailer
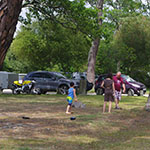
[(6, 79)]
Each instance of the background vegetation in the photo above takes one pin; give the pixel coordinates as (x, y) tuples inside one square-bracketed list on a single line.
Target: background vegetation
[(59, 39)]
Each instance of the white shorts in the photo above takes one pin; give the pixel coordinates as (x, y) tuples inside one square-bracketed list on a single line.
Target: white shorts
[(118, 95)]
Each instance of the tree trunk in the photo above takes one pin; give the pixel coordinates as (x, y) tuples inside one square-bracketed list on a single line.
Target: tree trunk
[(118, 66), (94, 49), (9, 13), (147, 106)]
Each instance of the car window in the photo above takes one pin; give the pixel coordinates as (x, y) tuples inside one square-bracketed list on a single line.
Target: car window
[(37, 75), (127, 78), (59, 75), (46, 75), (103, 78)]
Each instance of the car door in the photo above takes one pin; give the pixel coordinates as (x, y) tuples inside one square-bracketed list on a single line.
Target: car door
[(39, 78), (52, 81)]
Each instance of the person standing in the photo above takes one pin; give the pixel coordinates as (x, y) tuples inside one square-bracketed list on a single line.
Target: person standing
[(108, 85), (118, 83)]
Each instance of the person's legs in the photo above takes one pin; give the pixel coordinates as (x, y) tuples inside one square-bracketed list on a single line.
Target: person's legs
[(117, 98), (116, 103), (68, 109), (104, 106), (110, 104)]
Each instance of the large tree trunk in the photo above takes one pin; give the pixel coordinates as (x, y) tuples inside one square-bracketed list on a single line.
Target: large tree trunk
[(147, 106), (9, 13), (118, 66), (94, 49)]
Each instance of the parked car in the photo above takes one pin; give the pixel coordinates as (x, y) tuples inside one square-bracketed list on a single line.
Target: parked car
[(79, 75), (132, 86), (50, 81), (82, 75)]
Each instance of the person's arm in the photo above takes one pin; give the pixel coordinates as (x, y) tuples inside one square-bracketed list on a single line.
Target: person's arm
[(113, 85), (124, 88), (123, 85), (75, 96), (102, 85)]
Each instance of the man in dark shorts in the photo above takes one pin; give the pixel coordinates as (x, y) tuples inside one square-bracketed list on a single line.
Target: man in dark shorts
[(118, 83)]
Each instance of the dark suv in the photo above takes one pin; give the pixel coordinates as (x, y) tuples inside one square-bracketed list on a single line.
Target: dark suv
[(132, 86), (82, 76), (50, 81)]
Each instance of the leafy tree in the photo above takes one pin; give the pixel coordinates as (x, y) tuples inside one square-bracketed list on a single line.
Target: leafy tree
[(129, 49), (45, 45), (133, 34), (70, 14), (114, 13), (12, 64)]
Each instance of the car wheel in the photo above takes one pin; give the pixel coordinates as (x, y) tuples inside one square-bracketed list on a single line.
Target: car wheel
[(15, 91), (141, 93), (36, 91), (63, 90), (130, 92), (43, 92), (100, 91)]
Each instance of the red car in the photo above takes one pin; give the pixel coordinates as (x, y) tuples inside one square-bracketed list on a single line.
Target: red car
[(132, 86)]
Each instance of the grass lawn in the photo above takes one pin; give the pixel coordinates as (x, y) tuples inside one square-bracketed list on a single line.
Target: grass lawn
[(49, 128)]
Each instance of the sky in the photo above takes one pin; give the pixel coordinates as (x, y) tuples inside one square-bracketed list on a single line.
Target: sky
[(23, 14)]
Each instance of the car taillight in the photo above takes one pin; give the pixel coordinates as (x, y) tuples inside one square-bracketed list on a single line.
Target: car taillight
[(96, 82)]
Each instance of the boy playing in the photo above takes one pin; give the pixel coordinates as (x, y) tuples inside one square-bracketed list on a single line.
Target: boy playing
[(70, 97)]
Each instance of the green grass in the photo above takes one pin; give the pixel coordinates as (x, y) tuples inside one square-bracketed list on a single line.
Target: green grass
[(49, 128)]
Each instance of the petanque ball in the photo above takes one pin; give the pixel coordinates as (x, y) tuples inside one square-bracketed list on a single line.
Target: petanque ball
[(72, 118)]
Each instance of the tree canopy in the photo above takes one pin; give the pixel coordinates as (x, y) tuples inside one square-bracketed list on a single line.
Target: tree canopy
[(44, 45), (55, 31)]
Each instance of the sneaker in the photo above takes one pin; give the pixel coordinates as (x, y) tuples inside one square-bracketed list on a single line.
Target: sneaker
[(68, 113), (118, 108)]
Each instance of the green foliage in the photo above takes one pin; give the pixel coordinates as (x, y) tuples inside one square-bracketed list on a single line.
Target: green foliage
[(48, 46), (12, 64), (113, 52), (129, 48), (61, 43), (134, 36), (70, 14), (105, 63)]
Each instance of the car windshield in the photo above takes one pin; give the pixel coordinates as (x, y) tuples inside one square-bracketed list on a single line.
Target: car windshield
[(127, 78), (59, 75)]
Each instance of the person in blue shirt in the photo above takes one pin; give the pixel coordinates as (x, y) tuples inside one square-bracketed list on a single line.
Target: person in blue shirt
[(70, 97)]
